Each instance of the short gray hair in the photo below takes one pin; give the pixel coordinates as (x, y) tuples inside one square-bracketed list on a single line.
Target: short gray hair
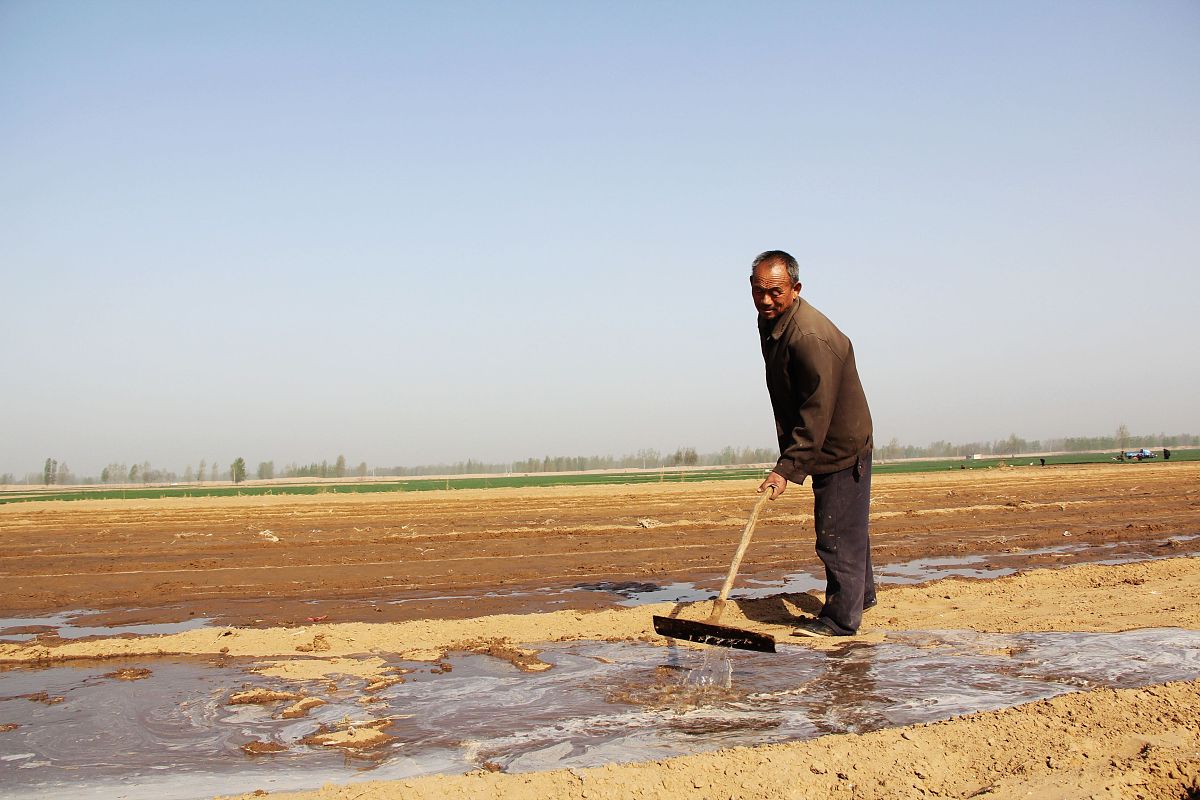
[(780, 257)]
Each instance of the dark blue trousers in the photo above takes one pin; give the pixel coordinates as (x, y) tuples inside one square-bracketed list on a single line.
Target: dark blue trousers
[(841, 510)]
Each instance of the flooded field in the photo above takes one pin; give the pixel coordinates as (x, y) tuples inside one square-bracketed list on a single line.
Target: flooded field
[(86, 731)]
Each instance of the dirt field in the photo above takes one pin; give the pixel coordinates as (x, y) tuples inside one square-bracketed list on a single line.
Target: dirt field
[(497, 569), (218, 557)]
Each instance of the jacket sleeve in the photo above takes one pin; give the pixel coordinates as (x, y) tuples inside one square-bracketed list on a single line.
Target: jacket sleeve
[(815, 373)]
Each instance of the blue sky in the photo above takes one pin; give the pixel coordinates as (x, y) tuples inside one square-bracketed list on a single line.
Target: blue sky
[(413, 233)]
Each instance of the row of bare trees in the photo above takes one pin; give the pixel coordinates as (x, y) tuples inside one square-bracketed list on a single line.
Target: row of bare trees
[(642, 459), (56, 473), (323, 469), (120, 472)]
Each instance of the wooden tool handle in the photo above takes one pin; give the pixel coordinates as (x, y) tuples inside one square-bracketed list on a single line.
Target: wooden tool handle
[(719, 605)]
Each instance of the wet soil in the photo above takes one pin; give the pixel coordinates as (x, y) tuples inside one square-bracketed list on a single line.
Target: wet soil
[(461, 554)]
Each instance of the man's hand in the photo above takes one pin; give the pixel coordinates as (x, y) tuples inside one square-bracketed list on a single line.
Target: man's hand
[(776, 483)]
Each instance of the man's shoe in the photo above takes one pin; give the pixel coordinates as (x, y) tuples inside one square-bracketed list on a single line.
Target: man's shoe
[(816, 629), (870, 603)]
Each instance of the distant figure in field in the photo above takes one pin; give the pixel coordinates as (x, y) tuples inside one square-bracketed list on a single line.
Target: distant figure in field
[(1166, 454), (1043, 462), (824, 430)]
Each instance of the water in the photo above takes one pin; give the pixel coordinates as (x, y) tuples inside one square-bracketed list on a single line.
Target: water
[(920, 570), (714, 672), (65, 625), (172, 735)]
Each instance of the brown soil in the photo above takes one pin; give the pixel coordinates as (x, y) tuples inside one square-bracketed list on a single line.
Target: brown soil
[(259, 697), (348, 556), (480, 570), (353, 736), (301, 708), (42, 697), (129, 674), (522, 658)]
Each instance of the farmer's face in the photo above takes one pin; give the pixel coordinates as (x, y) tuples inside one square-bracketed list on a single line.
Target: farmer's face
[(772, 289)]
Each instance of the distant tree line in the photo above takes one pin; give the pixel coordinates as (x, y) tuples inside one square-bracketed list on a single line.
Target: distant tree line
[(1014, 445), (145, 473), (338, 469), (119, 472), (642, 459), (55, 472)]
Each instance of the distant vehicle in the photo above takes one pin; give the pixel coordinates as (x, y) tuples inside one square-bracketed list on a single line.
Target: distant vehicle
[(1138, 455)]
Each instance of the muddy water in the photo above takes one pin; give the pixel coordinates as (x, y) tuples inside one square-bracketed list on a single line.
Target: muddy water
[(66, 625), (907, 572), (172, 735)]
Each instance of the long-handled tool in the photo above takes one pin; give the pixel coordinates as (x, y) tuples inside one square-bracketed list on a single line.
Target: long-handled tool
[(709, 631)]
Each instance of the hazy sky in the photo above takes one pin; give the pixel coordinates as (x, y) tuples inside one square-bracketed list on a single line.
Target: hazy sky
[(423, 232)]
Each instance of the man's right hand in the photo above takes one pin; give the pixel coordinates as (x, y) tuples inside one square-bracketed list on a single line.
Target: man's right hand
[(776, 483)]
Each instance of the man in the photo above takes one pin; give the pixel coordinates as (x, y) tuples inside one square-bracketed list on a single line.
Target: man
[(824, 430)]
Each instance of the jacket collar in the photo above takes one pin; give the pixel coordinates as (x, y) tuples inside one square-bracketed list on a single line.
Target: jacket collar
[(774, 330)]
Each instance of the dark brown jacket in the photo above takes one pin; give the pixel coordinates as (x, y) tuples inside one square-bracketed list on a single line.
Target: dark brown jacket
[(821, 414)]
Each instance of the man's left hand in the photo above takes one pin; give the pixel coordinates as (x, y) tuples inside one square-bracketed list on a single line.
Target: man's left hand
[(776, 483)]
